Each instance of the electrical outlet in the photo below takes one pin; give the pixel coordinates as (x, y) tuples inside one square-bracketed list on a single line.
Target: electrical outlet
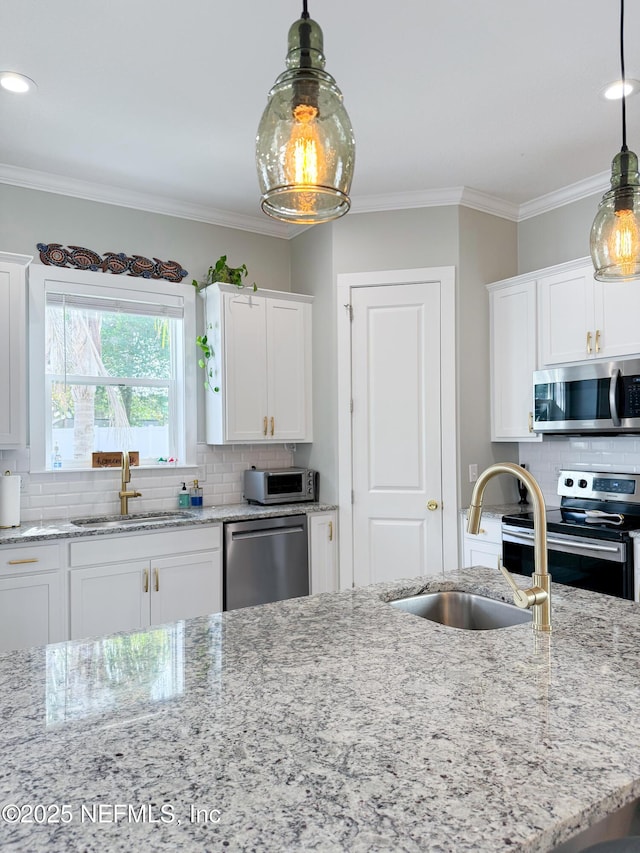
[(473, 472)]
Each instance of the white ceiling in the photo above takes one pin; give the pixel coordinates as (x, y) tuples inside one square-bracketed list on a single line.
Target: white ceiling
[(162, 99)]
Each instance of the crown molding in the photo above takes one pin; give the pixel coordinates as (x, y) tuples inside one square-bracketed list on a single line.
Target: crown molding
[(89, 191), (435, 198), (595, 185), (447, 196)]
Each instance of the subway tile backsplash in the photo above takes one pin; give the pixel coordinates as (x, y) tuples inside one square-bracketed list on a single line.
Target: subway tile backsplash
[(618, 454), (74, 494)]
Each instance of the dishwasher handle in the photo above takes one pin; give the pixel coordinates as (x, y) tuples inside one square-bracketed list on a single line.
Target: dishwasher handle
[(267, 531)]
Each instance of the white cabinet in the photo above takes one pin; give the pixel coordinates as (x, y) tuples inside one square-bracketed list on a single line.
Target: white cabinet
[(260, 366), (485, 547), (513, 359), (582, 319), (31, 596), (129, 582), (323, 551), (13, 343)]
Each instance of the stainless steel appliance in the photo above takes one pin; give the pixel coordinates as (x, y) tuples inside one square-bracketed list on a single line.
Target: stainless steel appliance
[(589, 536), (265, 559), (598, 397), (280, 485)]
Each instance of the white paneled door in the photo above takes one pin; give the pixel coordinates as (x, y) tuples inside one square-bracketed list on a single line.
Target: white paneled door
[(397, 430)]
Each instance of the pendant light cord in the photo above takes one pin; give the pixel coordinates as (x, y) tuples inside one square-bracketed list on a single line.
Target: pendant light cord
[(305, 13), (624, 96)]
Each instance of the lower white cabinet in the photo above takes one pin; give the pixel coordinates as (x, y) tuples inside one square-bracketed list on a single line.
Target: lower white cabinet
[(485, 547), (31, 597), (323, 551), (142, 584)]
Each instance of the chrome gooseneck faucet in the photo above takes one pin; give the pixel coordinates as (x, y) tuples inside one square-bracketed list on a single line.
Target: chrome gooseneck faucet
[(538, 597), (124, 494)]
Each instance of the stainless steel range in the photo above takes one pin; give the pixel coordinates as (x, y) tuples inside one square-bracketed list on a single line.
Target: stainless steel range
[(589, 536)]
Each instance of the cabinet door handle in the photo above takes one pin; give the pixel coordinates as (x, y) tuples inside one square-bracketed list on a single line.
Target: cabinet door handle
[(331, 531), (157, 577), (22, 562), (597, 340), (588, 343), (264, 425), (530, 421), (146, 580), (273, 425)]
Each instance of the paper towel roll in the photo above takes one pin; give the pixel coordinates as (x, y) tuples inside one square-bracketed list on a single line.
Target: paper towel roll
[(10, 500)]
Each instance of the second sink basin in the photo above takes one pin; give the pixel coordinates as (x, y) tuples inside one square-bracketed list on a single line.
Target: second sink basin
[(130, 520), (465, 610)]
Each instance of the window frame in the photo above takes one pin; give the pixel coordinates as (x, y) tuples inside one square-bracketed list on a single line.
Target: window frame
[(43, 279)]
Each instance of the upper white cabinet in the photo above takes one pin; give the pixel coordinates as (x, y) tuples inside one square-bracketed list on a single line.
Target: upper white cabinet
[(582, 319), (13, 345), (260, 382), (513, 359)]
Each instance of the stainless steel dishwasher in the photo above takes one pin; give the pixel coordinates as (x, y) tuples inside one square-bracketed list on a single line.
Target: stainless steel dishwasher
[(265, 560)]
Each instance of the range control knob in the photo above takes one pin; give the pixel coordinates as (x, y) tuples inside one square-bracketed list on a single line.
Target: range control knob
[(582, 484), (568, 482)]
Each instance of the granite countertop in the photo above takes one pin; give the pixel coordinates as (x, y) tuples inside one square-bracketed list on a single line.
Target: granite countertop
[(498, 510), (329, 723), (64, 529)]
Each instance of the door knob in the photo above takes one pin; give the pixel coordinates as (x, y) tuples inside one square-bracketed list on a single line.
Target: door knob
[(432, 505)]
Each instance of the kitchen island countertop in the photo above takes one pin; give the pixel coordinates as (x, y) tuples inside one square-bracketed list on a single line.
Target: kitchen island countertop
[(329, 723)]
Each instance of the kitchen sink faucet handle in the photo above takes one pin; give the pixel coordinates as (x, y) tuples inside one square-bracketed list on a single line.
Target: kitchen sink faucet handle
[(524, 598)]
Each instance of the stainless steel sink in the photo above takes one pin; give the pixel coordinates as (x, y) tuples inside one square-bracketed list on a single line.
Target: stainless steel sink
[(465, 610), (618, 831), (114, 521)]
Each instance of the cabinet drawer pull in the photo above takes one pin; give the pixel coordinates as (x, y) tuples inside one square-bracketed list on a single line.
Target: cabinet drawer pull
[(273, 425), (264, 425), (157, 574), (146, 580), (331, 531), (588, 343), (597, 340), (22, 562)]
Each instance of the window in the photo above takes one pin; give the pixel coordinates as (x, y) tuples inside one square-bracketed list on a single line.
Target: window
[(108, 368)]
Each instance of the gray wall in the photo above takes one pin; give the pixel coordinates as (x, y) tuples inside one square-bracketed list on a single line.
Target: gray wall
[(481, 247), (28, 217), (557, 236), (312, 273), (487, 253)]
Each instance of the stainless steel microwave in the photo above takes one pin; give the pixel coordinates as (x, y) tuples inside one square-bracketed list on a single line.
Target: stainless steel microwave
[(601, 398), (280, 485)]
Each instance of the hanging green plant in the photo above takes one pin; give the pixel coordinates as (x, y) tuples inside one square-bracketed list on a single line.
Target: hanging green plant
[(207, 354), (225, 274)]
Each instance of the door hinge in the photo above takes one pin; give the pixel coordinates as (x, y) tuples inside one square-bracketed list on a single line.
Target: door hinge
[(349, 309), (351, 405), (352, 499)]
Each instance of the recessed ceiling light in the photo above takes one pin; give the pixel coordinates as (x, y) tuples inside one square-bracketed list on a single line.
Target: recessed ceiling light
[(17, 83), (613, 91)]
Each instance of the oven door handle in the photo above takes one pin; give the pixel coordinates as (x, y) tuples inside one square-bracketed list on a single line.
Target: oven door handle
[(525, 535)]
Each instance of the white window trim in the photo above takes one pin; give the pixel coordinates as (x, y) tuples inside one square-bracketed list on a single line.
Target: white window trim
[(43, 278)]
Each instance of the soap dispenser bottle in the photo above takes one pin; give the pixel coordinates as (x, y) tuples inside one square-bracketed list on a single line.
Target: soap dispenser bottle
[(184, 499), (196, 494)]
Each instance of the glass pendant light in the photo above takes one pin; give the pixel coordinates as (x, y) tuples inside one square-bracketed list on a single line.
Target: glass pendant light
[(305, 150), (615, 233)]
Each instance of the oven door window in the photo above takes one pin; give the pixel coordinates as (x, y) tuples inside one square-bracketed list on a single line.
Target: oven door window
[(584, 572)]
